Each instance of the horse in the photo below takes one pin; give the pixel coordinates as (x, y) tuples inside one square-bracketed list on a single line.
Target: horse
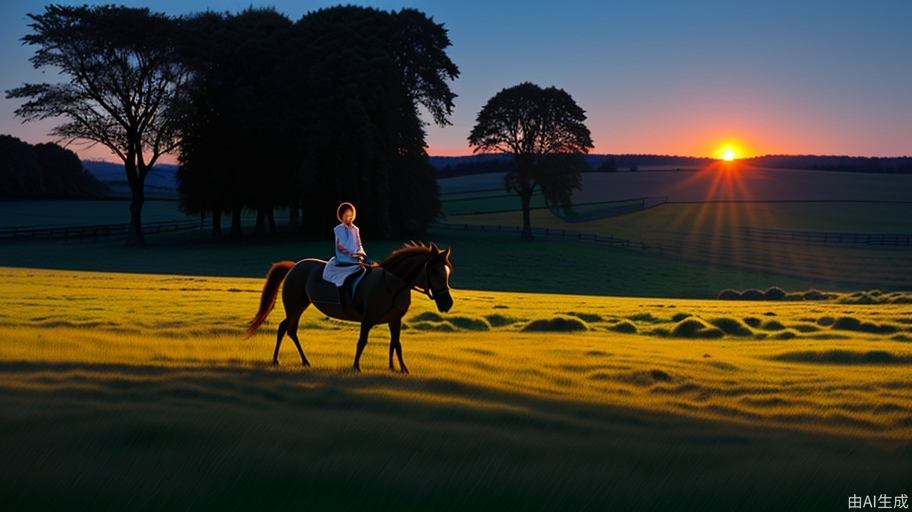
[(382, 296)]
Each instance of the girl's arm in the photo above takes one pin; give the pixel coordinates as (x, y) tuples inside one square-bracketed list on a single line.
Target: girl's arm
[(342, 248)]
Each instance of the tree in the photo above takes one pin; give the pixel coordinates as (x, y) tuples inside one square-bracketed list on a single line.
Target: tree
[(315, 113), (366, 73), (124, 90), (544, 130)]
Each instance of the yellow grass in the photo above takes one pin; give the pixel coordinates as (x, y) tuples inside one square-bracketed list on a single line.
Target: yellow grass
[(196, 323)]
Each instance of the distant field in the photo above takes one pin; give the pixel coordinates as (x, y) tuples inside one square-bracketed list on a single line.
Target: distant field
[(713, 233), (716, 183), (725, 218), (136, 391)]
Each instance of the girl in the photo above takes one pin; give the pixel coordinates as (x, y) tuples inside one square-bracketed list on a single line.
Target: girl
[(350, 256)]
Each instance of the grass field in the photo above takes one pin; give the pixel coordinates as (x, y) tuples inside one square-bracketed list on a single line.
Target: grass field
[(719, 182), (80, 212), (485, 261), (135, 391), (712, 234)]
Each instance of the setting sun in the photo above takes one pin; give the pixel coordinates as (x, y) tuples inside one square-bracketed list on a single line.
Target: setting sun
[(730, 150)]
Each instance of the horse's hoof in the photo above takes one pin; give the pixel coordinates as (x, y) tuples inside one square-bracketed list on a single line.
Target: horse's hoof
[(356, 369), (275, 362), (404, 371)]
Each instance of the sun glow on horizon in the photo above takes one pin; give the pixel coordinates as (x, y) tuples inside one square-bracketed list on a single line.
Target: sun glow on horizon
[(729, 152)]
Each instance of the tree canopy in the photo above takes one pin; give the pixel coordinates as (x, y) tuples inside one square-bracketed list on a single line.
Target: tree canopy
[(316, 112)]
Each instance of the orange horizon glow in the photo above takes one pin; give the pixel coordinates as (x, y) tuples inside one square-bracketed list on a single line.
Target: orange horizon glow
[(714, 149)]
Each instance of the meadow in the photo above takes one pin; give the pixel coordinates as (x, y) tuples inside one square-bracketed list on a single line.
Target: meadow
[(735, 235), (137, 391), (569, 375), (734, 181)]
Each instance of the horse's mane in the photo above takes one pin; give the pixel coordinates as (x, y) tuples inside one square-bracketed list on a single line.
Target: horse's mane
[(406, 251)]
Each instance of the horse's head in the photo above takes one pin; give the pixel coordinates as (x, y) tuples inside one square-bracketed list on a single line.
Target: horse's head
[(424, 267), (436, 278)]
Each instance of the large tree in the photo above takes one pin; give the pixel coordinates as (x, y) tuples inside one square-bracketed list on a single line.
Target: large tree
[(544, 130), (124, 88), (317, 113), (237, 139), (368, 72)]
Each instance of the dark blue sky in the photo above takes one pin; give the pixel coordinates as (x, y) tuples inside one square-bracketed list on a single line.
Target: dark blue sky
[(676, 77)]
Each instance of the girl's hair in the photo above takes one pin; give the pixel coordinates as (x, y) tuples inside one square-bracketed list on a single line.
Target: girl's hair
[(343, 208)]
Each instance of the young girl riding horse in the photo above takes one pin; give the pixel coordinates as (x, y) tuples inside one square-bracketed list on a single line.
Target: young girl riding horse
[(349, 253)]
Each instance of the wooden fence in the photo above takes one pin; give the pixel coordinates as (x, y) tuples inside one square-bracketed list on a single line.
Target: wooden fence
[(563, 234), (828, 238), (95, 231)]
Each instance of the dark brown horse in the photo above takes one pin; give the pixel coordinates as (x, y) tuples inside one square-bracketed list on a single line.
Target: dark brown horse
[(382, 296)]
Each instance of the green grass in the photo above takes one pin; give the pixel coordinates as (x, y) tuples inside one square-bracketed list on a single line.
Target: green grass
[(711, 234), (483, 261), (78, 212)]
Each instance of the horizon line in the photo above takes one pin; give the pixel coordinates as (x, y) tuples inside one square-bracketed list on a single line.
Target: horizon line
[(666, 155)]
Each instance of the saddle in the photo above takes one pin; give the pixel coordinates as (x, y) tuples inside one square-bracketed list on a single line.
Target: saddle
[(328, 292)]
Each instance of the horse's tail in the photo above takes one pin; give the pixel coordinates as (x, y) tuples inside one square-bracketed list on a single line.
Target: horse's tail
[(274, 278)]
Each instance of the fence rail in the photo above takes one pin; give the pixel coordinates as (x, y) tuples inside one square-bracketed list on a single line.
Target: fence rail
[(95, 231), (828, 238), (564, 234)]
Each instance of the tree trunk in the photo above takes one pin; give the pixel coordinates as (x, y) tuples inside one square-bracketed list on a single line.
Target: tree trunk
[(294, 215), (236, 221), (270, 216), (216, 223), (136, 235), (260, 222), (526, 233)]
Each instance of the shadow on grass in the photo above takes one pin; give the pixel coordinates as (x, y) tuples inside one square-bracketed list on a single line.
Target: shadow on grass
[(119, 436)]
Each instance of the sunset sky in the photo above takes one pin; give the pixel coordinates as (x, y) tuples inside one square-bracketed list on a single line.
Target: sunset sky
[(683, 78)]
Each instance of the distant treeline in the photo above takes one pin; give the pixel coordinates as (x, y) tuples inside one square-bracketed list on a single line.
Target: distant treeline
[(448, 167), (894, 165), (44, 170)]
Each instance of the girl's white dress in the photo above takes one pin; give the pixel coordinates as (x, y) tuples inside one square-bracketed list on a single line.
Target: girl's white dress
[(350, 239)]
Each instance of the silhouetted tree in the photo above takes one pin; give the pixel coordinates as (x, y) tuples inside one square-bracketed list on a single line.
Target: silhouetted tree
[(542, 129), (123, 89), (308, 115), (366, 74)]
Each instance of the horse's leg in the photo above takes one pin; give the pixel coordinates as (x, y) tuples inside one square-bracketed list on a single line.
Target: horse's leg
[(283, 326), (293, 311), (293, 334), (362, 341), (391, 347), (395, 329)]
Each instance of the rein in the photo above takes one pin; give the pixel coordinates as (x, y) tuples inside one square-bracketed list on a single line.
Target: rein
[(425, 291), (428, 291)]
